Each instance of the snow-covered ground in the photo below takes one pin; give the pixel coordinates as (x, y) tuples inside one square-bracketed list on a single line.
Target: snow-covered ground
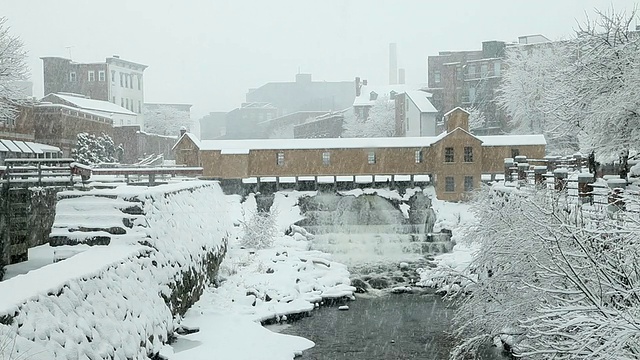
[(261, 285)]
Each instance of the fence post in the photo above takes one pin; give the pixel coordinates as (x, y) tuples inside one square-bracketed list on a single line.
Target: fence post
[(538, 173), (616, 200), (585, 189), (508, 165), (560, 176), (522, 170)]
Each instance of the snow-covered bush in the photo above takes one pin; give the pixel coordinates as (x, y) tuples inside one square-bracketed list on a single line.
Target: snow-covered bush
[(380, 123), (556, 280), (91, 149), (260, 230), (13, 68)]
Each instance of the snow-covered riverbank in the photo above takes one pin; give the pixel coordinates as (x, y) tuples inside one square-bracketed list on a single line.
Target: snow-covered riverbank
[(259, 286)]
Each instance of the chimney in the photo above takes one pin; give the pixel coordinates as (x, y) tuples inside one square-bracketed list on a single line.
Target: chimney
[(183, 130), (116, 56), (393, 64), (373, 96), (358, 86), (401, 76)]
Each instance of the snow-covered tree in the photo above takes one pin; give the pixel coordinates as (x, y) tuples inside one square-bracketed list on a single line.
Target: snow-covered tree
[(553, 280), (13, 67), (92, 150), (581, 91), (165, 120), (379, 123), (259, 229), (477, 119)]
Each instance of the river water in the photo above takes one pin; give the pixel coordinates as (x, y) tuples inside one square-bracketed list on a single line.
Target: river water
[(394, 326)]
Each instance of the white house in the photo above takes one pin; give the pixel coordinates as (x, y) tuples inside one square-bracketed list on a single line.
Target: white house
[(419, 113)]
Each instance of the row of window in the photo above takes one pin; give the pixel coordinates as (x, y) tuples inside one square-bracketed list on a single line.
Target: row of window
[(91, 76), (450, 183), (326, 157), (449, 154), (126, 80), (129, 104)]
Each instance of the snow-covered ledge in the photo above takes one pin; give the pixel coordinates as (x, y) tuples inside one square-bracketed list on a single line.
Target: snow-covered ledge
[(120, 300)]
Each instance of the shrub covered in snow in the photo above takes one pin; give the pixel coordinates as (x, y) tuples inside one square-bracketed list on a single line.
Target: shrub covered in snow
[(259, 230), (91, 149)]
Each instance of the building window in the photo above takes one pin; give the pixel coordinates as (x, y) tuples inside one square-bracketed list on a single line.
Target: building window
[(407, 123), (468, 154), (280, 159), (496, 68), (371, 157), (448, 155), (515, 152), (122, 102), (101, 75), (91, 75), (113, 76), (436, 76), (139, 107), (72, 76), (326, 158), (468, 183), (418, 156), (139, 82), (121, 80), (114, 99), (472, 94), (449, 184), (471, 71), (484, 70), (126, 101)]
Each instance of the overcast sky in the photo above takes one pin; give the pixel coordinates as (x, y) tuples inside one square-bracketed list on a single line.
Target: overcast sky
[(209, 52)]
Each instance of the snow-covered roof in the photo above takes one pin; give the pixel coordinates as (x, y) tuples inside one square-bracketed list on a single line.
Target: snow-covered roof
[(192, 137), (91, 104), (454, 109), (421, 99), (511, 140), (26, 147), (243, 146), (365, 92), (10, 146)]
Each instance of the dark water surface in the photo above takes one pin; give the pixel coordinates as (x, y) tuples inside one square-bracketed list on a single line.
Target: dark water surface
[(405, 326)]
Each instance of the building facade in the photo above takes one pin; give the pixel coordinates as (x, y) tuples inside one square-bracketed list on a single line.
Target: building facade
[(454, 160), (470, 79), (415, 114), (119, 115), (242, 123), (304, 95), (116, 80)]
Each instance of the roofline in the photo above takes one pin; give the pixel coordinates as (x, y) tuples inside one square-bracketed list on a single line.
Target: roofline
[(454, 109), (168, 104), (129, 112), (112, 59)]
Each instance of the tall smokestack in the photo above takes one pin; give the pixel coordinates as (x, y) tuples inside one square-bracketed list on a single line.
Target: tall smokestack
[(401, 76), (393, 64)]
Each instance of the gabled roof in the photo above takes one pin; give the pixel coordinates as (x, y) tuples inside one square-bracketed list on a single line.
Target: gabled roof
[(456, 109), (421, 99), (25, 147), (90, 104), (191, 137)]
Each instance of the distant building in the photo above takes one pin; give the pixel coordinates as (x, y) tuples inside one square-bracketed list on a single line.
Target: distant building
[(304, 95), (283, 126), (329, 125), (212, 126), (118, 114), (367, 95), (415, 114), (241, 123), (470, 79), (115, 80)]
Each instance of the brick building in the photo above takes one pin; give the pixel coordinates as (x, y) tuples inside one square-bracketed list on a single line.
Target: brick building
[(455, 159), (115, 80), (470, 79)]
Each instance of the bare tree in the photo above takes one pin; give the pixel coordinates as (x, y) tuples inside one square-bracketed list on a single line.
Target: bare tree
[(13, 68)]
